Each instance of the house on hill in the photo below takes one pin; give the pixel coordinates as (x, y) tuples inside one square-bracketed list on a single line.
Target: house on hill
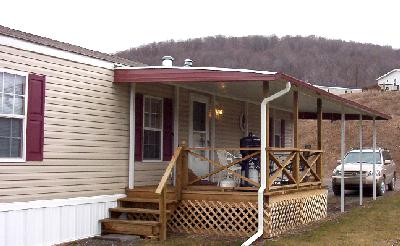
[(337, 90), (92, 143), (390, 81)]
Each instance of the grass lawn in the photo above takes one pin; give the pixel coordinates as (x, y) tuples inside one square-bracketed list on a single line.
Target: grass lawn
[(377, 223)]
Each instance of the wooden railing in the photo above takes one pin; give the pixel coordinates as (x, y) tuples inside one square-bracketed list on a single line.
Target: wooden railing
[(288, 169), (296, 168), (219, 167)]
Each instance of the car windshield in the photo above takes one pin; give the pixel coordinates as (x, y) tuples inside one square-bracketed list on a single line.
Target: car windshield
[(367, 157)]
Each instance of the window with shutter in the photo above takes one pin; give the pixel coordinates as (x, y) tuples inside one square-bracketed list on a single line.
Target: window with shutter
[(152, 128), (13, 115)]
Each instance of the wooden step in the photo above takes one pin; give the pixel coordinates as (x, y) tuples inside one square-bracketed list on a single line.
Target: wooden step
[(136, 210), (139, 193), (143, 200), (131, 227)]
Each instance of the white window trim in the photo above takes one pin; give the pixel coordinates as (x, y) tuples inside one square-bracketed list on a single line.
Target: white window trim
[(154, 129), (24, 118)]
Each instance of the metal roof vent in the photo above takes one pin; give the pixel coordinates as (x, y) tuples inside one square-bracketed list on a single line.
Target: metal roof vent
[(188, 62), (167, 61)]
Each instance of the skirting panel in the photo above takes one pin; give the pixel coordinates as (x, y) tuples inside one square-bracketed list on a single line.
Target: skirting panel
[(289, 211), (239, 219), (48, 222)]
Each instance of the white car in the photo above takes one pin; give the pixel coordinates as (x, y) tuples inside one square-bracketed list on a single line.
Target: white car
[(385, 171)]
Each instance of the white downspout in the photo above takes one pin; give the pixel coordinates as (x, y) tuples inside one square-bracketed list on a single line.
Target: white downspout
[(264, 133)]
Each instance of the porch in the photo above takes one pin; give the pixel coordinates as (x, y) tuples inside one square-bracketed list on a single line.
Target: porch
[(285, 192)]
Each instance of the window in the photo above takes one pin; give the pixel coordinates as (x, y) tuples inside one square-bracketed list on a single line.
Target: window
[(12, 115), (152, 128)]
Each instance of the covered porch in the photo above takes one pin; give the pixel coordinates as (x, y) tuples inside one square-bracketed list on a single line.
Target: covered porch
[(190, 196)]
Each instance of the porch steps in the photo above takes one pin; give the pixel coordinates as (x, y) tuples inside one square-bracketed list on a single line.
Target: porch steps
[(138, 213), (131, 227), (143, 200), (136, 210)]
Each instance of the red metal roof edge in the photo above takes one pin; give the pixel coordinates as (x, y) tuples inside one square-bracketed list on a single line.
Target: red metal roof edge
[(172, 74), (380, 116)]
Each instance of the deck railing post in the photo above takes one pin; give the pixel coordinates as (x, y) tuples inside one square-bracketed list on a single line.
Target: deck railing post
[(267, 136), (185, 166), (163, 214), (178, 180), (296, 169)]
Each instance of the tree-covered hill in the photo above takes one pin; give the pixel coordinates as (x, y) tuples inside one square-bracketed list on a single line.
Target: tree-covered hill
[(314, 59)]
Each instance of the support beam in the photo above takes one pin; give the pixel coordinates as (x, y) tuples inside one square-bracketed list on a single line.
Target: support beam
[(267, 136), (296, 168), (246, 115), (176, 124), (342, 153), (295, 119), (360, 160), (374, 155), (213, 123), (131, 166), (319, 139)]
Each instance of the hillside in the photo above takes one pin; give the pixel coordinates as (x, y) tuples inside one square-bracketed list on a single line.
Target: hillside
[(388, 132), (317, 60)]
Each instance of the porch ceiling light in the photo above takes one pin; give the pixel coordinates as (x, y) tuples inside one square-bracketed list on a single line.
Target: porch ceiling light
[(219, 111)]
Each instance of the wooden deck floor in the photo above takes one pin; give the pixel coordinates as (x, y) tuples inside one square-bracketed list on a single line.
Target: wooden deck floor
[(212, 193)]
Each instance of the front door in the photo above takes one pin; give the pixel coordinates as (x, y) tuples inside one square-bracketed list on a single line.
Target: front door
[(199, 133)]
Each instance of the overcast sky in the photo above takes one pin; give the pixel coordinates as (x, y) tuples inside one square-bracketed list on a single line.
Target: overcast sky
[(111, 26)]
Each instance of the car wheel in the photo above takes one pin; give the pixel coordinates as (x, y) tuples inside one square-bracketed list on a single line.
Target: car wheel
[(392, 184), (336, 190), (381, 188)]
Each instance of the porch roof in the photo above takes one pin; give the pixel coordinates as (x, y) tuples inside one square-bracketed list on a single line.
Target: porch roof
[(230, 83)]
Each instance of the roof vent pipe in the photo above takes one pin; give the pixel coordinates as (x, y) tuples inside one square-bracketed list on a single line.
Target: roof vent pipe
[(188, 62), (167, 61)]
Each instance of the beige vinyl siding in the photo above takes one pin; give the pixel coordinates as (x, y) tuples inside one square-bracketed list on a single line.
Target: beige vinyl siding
[(149, 173), (184, 111), (254, 122), (254, 119), (227, 128), (86, 132)]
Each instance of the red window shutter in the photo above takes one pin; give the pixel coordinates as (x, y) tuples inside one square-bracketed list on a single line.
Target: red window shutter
[(168, 129), (283, 133), (138, 127), (35, 119)]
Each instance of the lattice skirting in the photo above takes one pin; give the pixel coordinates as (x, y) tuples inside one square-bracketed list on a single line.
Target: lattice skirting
[(239, 219), (289, 211)]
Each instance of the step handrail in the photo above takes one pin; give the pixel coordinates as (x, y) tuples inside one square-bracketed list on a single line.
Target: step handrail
[(168, 170), (162, 192)]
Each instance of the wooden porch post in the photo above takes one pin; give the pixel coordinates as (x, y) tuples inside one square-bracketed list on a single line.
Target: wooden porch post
[(319, 140), (163, 214), (296, 168), (265, 95), (184, 166), (179, 176)]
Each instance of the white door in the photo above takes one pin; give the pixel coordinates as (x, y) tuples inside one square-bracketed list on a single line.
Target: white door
[(199, 133)]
